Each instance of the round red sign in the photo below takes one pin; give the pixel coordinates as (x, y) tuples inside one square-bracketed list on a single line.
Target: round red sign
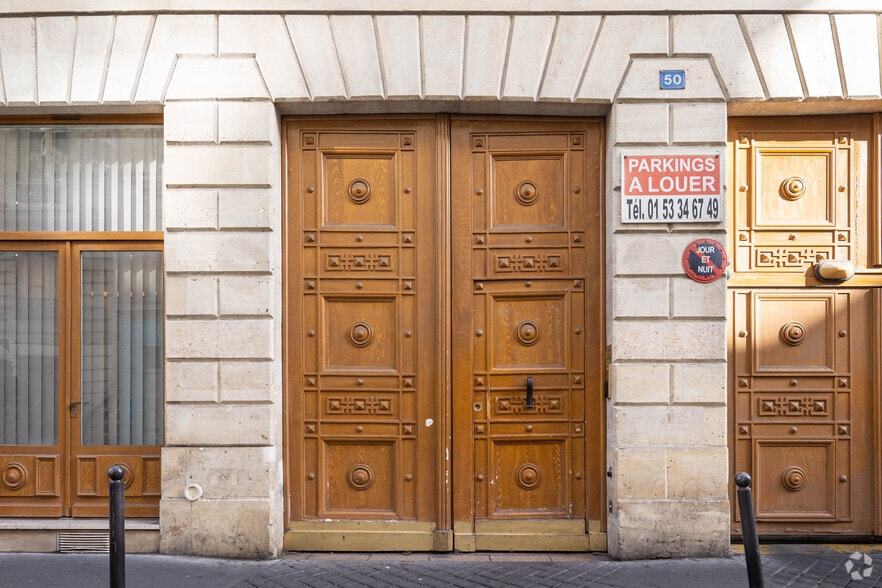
[(704, 260)]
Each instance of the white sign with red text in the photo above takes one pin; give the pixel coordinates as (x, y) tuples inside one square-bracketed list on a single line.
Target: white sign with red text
[(672, 188)]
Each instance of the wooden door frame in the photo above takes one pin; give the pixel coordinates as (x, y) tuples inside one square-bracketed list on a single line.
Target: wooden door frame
[(596, 370)]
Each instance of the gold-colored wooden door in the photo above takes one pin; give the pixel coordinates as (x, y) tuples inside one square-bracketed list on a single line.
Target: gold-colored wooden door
[(364, 263), (803, 380), (526, 283)]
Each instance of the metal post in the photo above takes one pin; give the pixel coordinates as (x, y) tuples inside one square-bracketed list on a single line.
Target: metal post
[(748, 531), (117, 527)]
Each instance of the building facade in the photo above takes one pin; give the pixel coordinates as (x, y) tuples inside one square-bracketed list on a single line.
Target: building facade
[(424, 276)]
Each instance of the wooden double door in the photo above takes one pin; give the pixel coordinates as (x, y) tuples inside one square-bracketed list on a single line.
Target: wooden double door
[(805, 354), (444, 340)]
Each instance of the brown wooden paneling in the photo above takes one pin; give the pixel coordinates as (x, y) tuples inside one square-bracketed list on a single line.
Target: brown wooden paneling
[(372, 296), (362, 294), (526, 286), (804, 419)]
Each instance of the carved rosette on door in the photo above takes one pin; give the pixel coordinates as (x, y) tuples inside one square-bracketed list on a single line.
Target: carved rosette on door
[(801, 375)]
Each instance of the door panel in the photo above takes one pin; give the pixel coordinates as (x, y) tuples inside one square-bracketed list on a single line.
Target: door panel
[(524, 207), (116, 409), (802, 377), (363, 373), (32, 379), (804, 421)]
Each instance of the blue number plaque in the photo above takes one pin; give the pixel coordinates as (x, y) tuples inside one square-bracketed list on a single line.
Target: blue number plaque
[(672, 79)]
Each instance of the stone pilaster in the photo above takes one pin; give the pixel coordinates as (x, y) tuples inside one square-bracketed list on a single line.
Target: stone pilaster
[(667, 334), (222, 461)]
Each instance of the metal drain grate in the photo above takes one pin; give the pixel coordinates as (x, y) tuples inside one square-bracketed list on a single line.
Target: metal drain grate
[(84, 542)]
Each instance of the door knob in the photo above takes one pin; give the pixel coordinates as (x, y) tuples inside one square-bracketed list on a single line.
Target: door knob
[(529, 403)]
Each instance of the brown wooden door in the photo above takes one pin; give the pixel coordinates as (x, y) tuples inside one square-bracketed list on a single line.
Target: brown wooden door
[(364, 264), (803, 382), (526, 333)]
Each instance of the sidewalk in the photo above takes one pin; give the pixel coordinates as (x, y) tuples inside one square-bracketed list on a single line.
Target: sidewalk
[(797, 565)]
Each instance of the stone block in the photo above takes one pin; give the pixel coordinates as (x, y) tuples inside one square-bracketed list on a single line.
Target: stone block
[(227, 165), (191, 381), (265, 36), (642, 529), (654, 340), (191, 122), (249, 381), (173, 40), (248, 208), (175, 527), (721, 36), (221, 528), (247, 122), (93, 42), (219, 339), (700, 383), (398, 37), (56, 37), (639, 473), (697, 474), (130, 39), (643, 383), (190, 209), (636, 254), (859, 47), (641, 297), (220, 473), (698, 299), (191, 296), (567, 56), (528, 51), (205, 78), (223, 251), (18, 60), (813, 39), (138, 541), (616, 42), (356, 46), (771, 45), (314, 44), (641, 427), (699, 123), (28, 541), (442, 53), (247, 295), (219, 425), (639, 123), (486, 47), (642, 80)]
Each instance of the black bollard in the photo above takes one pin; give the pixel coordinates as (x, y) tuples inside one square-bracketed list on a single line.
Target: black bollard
[(117, 527), (748, 531)]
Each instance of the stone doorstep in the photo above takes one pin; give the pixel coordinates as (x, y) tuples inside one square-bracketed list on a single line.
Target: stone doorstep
[(75, 535)]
